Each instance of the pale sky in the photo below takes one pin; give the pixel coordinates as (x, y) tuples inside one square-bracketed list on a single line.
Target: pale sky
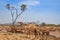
[(47, 11)]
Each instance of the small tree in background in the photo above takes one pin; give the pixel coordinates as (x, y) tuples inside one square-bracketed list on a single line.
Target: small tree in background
[(11, 8), (42, 24)]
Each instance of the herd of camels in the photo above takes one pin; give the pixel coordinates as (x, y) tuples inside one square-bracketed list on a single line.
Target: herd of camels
[(32, 29)]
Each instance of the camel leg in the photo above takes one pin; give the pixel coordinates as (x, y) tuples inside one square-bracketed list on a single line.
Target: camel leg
[(43, 33), (47, 33), (28, 34)]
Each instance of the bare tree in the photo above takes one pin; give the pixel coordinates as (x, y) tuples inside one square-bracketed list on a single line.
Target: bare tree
[(11, 8)]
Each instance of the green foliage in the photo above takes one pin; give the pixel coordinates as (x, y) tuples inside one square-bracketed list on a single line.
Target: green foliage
[(8, 6), (43, 24), (23, 7)]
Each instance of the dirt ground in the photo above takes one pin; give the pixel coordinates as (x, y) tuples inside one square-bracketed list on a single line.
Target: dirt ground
[(14, 36), (54, 35)]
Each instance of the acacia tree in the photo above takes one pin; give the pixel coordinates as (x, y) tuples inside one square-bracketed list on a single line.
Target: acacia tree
[(11, 8), (42, 24)]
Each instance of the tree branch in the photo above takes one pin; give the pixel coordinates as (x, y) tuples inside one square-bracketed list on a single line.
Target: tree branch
[(12, 14), (16, 11), (17, 17)]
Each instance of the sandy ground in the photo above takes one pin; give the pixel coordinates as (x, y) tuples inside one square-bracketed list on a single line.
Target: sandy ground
[(14, 36), (55, 33)]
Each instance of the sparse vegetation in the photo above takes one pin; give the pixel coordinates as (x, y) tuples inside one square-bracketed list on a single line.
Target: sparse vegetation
[(12, 8), (31, 30), (28, 32)]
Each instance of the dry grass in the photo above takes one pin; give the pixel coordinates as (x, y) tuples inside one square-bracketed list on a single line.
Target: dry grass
[(18, 36), (13, 36)]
